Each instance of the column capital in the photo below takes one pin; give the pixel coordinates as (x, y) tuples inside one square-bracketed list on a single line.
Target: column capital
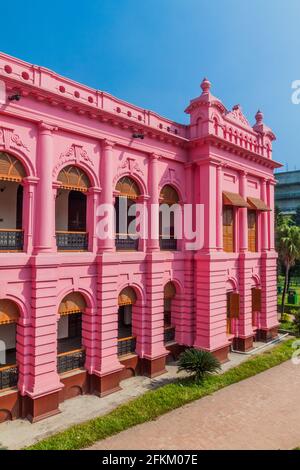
[(47, 128), (30, 180), (154, 156), (94, 190), (108, 144)]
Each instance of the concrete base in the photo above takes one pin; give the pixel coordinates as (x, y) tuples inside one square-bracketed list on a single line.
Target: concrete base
[(153, 367), (106, 384), (36, 409), (242, 344), (267, 335)]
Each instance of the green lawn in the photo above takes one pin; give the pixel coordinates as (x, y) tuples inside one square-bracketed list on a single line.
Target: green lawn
[(155, 403)]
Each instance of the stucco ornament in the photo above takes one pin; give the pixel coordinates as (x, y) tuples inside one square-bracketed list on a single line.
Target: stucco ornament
[(74, 153), (170, 177), (237, 115), (9, 139), (128, 166)]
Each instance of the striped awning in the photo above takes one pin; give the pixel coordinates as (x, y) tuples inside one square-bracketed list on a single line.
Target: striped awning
[(258, 204), (234, 199)]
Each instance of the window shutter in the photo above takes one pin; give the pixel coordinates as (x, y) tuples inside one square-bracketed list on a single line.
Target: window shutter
[(252, 231), (228, 229), (234, 305), (256, 300)]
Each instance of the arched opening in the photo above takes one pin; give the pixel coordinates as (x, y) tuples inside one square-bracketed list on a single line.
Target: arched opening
[(169, 328), (11, 203), (126, 341), (168, 201), (71, 210), (9, 316), (70, 350), (125, 211)]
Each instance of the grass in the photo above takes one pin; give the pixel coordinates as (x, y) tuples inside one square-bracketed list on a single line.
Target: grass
[(155, 403), (287, 326)]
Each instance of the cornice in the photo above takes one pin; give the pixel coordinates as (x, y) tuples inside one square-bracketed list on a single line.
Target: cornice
[(234, 149)]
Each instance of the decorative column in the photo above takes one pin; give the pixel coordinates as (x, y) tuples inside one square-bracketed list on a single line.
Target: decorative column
[(45, 214), (107, 198), (29, 184), (92, 202), (264, 218), (243, 214), (271, 187), (153, 209), (219, 208)]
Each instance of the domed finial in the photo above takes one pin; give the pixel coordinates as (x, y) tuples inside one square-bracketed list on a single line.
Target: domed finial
[(205, 85), (259, 117)]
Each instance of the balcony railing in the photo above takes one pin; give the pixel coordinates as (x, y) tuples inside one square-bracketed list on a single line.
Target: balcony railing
[(127, 242), (126, 345), (8, 377), (169, 334), (70, 360), (11, 240), (72, 241), (168, 244)]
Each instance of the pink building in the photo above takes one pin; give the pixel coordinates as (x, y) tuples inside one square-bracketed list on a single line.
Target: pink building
[(79, 313)]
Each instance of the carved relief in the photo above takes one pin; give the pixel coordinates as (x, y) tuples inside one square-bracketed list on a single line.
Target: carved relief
[(237, 115), (75, 153), (128, 165), (9, 139), (170, 177)]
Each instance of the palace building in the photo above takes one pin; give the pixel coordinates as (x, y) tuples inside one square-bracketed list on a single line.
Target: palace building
[(80, 313)]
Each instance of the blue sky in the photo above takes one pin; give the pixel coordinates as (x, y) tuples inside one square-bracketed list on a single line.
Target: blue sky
[(154, 53)]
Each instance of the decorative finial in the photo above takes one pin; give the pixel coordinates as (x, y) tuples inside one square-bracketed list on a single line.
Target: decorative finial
[(205, 85), (259, 117)]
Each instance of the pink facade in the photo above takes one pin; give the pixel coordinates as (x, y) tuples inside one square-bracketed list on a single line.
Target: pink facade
[(58, 123)]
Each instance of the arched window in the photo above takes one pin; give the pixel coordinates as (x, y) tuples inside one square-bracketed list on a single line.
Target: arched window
[(11, 203), (71, 210), (169, 295), (125, 211), (126, 341), (70, 349), (168, 200), (9, 316)]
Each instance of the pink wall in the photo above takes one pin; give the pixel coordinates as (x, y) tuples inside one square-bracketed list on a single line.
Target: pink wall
[(59, 122)]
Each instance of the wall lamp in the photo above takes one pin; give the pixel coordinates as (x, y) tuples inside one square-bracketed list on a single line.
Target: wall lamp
[(15, 97), (138, 136)]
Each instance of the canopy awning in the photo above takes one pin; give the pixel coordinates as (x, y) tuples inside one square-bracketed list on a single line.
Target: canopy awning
[(9, 312), (234, 199), (72, 303), (258, 204), (127, 297)]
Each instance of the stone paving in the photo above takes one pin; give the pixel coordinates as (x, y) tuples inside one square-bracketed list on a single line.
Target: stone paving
[(259, 413), (19, 433)]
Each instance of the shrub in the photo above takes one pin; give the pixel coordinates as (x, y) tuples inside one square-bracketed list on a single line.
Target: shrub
[(198, 363), (297, 324)]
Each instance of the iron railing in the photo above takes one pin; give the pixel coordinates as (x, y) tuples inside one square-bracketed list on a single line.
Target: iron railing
[(72, 241), (169, 334), (9, 377), (70, 360), (168, 244), (127, 242), (11, 240), (126, 345)]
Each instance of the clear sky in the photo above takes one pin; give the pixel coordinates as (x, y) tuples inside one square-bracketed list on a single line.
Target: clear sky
[(154, 53)]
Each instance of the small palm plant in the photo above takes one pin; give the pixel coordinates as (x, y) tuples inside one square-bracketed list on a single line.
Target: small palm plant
[(198, 363)]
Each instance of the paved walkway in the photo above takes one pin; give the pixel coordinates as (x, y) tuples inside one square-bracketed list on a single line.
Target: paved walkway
[(262, 412)]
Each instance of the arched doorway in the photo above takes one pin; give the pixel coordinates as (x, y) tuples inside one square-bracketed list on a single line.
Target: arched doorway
[(127, 195), (70, 350), (71, 211), (126, 341), (168, 200), (11, 203), (9, 316), (169, 327)]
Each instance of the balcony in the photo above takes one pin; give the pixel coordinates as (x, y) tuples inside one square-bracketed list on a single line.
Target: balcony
[(72, 241), (70, 360), (125, 242), (11, 240), (169, 334), (169, 244), (8, 377), (126, 345)]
